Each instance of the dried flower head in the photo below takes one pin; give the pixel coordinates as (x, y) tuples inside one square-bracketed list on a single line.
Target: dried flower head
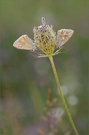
[(46, 42), (51, 117)]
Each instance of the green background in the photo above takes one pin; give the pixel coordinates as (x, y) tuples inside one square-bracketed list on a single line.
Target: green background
[(25, 80)]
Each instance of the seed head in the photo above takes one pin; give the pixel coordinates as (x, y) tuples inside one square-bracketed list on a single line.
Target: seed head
[(45, 38)]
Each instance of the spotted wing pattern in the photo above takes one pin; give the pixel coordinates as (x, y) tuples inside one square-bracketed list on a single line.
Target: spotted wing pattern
[(63, 36), (24, 42)]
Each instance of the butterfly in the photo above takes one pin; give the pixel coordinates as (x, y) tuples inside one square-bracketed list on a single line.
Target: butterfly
[(25, 43)]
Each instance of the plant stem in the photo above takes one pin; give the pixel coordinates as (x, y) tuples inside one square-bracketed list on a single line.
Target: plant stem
[(61, 95)]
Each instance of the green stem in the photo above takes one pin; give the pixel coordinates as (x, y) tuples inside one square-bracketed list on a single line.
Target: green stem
[(61, 95)]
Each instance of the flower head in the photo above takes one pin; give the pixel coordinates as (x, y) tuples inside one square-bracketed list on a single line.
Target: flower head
[(46, 42), (45, 38)]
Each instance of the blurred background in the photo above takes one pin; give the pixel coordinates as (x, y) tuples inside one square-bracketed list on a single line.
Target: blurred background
[(25, 81)]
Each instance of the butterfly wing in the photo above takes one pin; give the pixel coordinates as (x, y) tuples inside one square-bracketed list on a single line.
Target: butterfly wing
[(63, 36), (24, 42), (38, 53)]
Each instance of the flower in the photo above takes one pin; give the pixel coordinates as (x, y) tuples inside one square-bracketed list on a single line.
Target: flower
[(46, 42)]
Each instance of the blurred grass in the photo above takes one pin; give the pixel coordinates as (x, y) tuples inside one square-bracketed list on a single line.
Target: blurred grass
[(26, 79)]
